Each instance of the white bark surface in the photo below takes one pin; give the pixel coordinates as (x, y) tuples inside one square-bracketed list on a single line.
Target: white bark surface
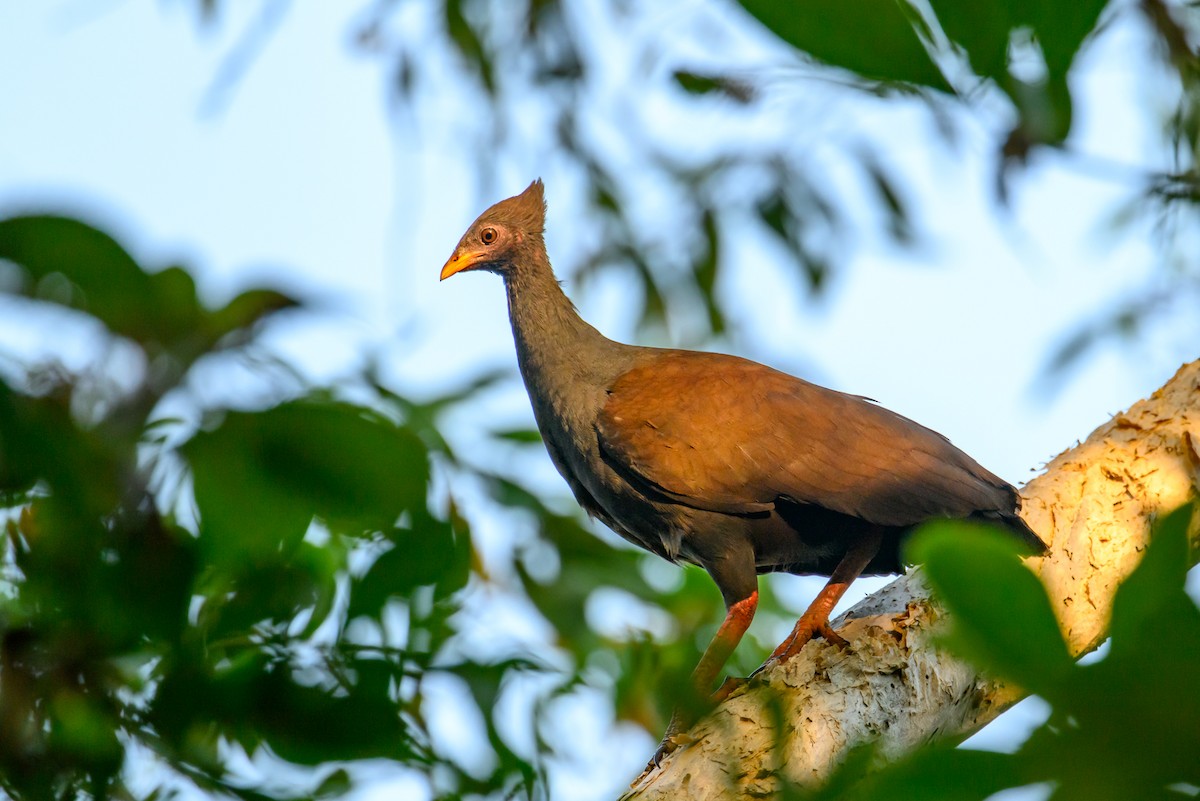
[(1094, 505)]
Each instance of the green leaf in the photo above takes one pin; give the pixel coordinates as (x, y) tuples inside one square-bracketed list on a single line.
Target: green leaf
[(174, 293), (73, 264), (1003, 620), (336, 785), (148, 570), (462, 34), (260, 478), (248, 515), (873, 38), (105, 280), (985, 31), (773, 212), (246, 309), (41, 440), (654, 302), (312, 725), (82, 729), (524, 436), (899, 224), (696, 84), (982, 29), (76, 265), (458, 572), (357, 468), (24, 429), (706, 268), (252, 700), (942, 773), (421, 556), (1141, 698), (273, 592), (1154, 590)]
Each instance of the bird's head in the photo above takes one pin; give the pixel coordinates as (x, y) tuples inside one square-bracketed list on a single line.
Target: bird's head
[(497, 239)]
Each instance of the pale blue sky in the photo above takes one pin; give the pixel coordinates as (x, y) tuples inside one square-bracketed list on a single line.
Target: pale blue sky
[(299, 176)]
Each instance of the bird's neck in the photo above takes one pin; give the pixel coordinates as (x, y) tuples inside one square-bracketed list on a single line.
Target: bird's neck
[(556, 349)]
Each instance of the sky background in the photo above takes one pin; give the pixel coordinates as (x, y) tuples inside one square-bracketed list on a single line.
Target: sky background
[(302, 173)]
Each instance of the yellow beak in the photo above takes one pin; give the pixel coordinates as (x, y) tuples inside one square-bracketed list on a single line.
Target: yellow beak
[(458, 262)]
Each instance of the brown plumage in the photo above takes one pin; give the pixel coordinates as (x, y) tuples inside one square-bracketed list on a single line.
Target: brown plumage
[(717, 460)]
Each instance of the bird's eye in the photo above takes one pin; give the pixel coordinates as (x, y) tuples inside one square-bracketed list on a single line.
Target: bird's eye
[(488, 236)]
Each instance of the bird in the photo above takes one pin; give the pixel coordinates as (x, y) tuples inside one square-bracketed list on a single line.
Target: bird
[(719, 461)]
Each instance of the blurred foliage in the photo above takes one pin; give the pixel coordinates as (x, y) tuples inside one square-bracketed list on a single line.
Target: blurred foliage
[(136, 618), (276, 581), (1121, 727), (293, 597), (754, 135), (723, 133), (282, 582)]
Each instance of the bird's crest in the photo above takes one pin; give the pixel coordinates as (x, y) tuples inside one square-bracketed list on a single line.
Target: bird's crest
[(526, 211)]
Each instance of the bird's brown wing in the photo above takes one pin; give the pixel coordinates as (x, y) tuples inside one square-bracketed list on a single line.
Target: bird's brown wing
[(726, 434)]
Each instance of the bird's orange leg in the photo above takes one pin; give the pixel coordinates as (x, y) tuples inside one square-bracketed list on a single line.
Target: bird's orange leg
[(815, 620), (737, 620)]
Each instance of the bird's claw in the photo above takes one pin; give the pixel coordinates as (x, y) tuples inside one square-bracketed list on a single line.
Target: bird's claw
[(770, 662), (800, 637), (677, 734), (670, 742), (832, 637), (728, 687)]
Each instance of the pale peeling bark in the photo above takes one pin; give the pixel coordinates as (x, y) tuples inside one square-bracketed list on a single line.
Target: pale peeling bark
[(1094, 505)]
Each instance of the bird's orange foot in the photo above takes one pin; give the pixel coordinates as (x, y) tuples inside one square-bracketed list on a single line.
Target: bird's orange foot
[(806, 630), (728, 687)]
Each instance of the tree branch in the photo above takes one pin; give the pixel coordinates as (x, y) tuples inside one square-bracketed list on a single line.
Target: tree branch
[(1094, 505)]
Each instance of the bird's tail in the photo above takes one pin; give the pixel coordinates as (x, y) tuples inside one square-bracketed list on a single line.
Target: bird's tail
[(1013, 523)]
